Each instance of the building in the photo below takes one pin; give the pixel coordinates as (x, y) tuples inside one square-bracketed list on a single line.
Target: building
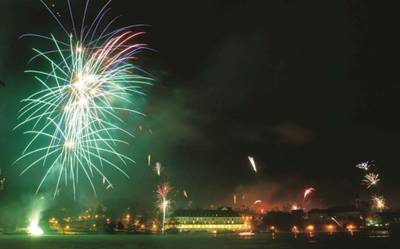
[(383, 219), (282, 221), (220, 220), (341, 215)]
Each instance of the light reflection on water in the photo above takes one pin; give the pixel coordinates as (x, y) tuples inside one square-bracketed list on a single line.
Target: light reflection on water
[(200, 241), (379, 234)]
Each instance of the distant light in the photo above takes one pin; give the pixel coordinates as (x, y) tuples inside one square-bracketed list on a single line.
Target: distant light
[(295, 207), (310, 228), (330, 228), (245, 233)]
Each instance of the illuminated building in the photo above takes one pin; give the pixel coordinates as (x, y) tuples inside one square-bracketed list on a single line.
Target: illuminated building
[(223, 220)]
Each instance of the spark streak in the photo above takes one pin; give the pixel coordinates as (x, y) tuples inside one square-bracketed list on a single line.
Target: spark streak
[(148, 160), (157, 168), (253, 164), (307, 192)]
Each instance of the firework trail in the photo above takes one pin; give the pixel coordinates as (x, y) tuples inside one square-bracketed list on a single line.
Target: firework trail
[(185, 194), (365, 165), (336, 221), (157, 168), (2, 181), (379, 203), (252, 163), (90, 81), (307, 192), (234, 199), (148, 160), (162, 193), (371, 179), (257, 201)]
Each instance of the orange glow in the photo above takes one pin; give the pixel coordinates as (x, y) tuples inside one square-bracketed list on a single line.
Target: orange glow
[(295, 207), (330, 228), (310, 228), (350, 228), (246, 234)]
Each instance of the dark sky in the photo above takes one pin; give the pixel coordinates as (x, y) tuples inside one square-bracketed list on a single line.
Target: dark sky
[(309, 88)]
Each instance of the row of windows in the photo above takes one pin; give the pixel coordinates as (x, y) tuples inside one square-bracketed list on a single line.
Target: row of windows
[(209, 222), (208, 219), (205, 227)]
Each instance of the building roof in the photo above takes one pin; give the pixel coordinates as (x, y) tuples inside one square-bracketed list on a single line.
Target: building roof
[(343, 209), (205, 213), (337, 209), (318, 211)]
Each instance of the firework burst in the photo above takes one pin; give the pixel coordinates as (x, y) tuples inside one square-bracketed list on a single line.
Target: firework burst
[(76, 115), (371, 179), (379, 203), (365, 165)]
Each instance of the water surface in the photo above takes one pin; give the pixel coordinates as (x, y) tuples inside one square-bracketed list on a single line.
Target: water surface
[(195, 241)]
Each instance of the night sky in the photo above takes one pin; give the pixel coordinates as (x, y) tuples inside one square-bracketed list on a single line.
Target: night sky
[(308, 88)]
